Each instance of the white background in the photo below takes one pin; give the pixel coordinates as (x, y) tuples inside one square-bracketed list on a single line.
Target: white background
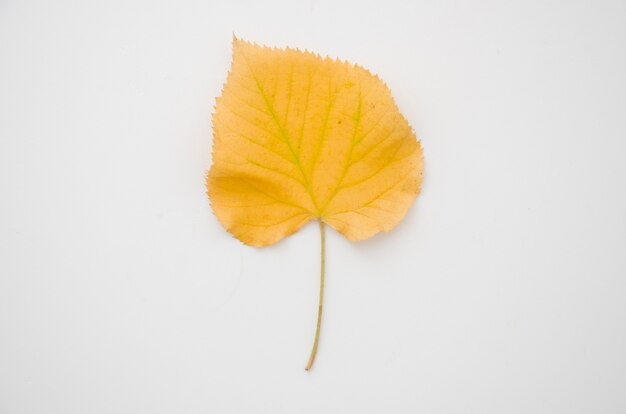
[(503, 290)]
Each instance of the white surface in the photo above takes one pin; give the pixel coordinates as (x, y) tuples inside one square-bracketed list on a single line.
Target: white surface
[(503, 291)]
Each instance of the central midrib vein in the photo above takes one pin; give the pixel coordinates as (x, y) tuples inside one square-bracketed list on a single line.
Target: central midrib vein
[(284, 136)]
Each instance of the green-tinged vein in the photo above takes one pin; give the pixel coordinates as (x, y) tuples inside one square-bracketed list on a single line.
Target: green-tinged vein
[(265, 167), (271, 197), (247, 120), (373, 147), (253, 141), (390, 162), (377, 197), (265, 225), (380, 120), (247, 103), (283, 133), (324, 133), (348, 163)]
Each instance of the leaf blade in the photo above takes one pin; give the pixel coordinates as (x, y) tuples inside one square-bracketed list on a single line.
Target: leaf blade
[(298, 137)]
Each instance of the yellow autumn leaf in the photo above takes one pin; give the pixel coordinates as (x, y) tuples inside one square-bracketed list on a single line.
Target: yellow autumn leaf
[(296, 138)]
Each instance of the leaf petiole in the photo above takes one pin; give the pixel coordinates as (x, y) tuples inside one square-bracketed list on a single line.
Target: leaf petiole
[(321, 300)]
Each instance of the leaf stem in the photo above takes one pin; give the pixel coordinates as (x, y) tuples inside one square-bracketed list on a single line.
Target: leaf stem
[(319, 309)]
